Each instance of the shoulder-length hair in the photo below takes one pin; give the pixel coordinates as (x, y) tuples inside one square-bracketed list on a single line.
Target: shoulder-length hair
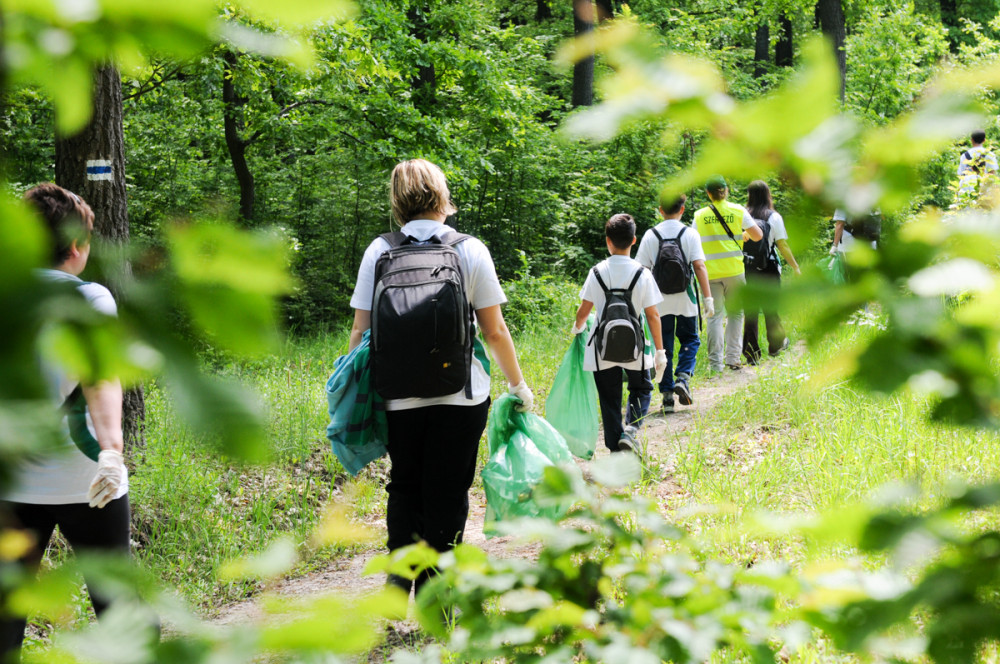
[(759, 199), (417, 186)]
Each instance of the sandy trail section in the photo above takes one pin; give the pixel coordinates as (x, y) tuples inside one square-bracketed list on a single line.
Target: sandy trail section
[(662, 436)]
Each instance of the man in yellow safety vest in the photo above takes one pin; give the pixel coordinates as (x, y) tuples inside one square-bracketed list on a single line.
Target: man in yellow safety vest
[(723, 227)]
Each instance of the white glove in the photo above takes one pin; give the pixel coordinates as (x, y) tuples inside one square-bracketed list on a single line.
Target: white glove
[(523, 392), (578, 330), (833, 250), (110, 475), (661, 365), (708, 304)]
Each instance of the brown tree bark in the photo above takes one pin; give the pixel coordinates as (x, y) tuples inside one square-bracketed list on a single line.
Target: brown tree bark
[(583, 70), (761, 47), (784, 49), (233, 126), (543, 11), (606, 10), (424, 84), (949, 18), (830, 14), (92, 164)]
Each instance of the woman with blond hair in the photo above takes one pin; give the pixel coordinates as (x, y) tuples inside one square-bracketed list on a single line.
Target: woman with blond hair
[(761, 208), (437, 394)]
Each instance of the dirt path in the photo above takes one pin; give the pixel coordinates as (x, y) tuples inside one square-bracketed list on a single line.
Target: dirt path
[(662, 436)]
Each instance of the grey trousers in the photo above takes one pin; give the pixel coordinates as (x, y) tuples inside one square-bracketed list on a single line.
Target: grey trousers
[(729, 317)]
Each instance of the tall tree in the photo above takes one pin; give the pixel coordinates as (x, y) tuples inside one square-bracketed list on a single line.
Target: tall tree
[(949, 18), (583, 70), (92, 164), (425, 82), (762, 43), (830, 16), (233, 126), (783, 49)]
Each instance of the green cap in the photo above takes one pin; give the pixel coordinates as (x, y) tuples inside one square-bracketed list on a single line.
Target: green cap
[(716, 183)]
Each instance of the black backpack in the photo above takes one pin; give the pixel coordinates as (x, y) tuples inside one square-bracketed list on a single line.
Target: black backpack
[(865, 227), (758, 255), (422, 327), (618, 335), (671, 270)]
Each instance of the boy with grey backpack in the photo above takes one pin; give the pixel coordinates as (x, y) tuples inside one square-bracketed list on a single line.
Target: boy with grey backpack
[(622, 292)]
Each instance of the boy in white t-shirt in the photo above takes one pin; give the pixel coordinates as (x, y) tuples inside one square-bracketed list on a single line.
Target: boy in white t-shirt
[(679, 310), (619, 271)]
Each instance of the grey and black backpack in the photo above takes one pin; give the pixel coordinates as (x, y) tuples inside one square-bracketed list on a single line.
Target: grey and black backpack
[(618, 336), (672, 271), (422, 327)]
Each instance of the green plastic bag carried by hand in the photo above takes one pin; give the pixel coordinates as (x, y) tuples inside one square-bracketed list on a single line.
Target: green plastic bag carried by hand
[(571, 407), (522, 446), (833, 268)]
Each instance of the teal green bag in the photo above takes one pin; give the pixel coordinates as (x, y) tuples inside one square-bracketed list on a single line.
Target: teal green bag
[(522, 446), (833, 268), (571, 407)]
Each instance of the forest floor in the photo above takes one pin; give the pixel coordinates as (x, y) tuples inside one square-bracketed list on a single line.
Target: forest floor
[(663, 437)]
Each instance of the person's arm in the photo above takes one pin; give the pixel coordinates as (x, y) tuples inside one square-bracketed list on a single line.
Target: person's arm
[(362, 322), (653, 318), (838, 232), (751, 231), (497, 337), (701, 273), (581, 314), (786, 253), (104, 401)]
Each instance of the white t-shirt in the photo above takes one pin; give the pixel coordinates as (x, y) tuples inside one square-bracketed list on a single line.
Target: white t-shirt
[(63, 477), (846, 239), (482, 287), (617, 272), (677, 304)]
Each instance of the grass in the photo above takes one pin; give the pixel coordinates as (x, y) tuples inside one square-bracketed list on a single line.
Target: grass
[(786, 442)]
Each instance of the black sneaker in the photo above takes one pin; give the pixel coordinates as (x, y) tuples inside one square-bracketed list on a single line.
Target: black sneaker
[(628, 444), (683, 392), (784, 345), (668, 404)]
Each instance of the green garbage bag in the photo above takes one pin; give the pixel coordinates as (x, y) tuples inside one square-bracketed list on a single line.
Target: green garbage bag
[(522, 446), (832, 268), (571, 407)]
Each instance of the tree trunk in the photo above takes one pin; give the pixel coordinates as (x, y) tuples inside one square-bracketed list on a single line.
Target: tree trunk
[(605, 10), (233, 125), (783, 49), (762, 43), (92, 164), (583, 70), (543, 11), (830, 14), (949, 18), (424, 84)]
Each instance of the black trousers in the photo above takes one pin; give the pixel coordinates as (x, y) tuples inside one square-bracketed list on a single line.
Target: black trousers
[(433, 452), (87, 529), (772, 321), (609, 395)]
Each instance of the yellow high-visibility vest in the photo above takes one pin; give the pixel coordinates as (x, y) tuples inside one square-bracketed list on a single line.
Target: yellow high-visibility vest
[(723, 256)]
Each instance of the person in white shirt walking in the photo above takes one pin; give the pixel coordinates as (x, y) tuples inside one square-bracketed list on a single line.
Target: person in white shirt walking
[(673, 253)]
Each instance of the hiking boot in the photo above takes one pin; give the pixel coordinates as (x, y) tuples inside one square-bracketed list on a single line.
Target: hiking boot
[(628, 444), (735, 367), (784, 345), (668, 404), (683, 392)]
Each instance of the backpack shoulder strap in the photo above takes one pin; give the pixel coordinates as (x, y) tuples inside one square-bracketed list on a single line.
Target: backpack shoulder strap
[(635, 280), (683, 231), (725, 226), (600, 282), (395, 239), (967, 155), (657, 234), (452, 238)]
